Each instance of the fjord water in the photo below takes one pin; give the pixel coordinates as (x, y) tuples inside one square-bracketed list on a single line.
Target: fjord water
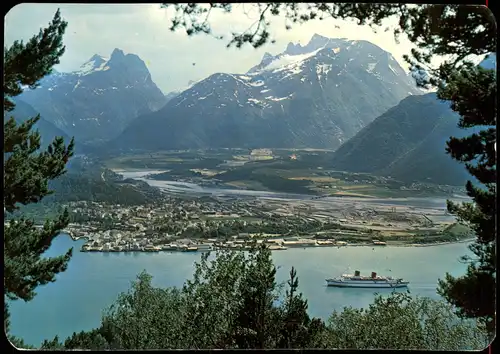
[(94, 280)]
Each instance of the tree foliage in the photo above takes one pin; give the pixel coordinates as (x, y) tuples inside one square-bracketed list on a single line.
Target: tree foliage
[(26, 64), (472, 91), (403, 322), (234, 302), (435, 29), (455, 33), (27, 170)]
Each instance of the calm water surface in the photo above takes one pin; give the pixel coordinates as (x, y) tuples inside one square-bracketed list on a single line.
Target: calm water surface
[(93, 281)]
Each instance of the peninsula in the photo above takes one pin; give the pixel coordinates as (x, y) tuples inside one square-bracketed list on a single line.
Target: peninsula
[(193, 224)]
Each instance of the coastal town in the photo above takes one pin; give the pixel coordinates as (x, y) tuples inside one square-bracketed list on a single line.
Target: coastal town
[(209, 223)]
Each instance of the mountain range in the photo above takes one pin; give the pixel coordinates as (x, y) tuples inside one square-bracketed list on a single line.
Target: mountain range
[(408, 142), (340, 94), (48, 131), (317, 95), (98, 101)]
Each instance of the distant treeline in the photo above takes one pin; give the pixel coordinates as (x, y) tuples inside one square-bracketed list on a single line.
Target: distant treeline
[(96, 183)]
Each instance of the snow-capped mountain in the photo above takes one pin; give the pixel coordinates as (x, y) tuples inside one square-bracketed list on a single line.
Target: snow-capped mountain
[(318, 95), (97, 101), (96, 63)]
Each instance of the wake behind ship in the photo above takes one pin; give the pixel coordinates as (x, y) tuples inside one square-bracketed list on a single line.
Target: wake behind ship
[(359, 281)]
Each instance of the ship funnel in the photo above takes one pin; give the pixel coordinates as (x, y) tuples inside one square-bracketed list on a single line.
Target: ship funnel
[(374, 275), (356, 273)]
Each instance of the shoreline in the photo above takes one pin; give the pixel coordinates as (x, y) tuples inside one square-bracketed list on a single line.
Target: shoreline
[(216, 248), (444, 243)]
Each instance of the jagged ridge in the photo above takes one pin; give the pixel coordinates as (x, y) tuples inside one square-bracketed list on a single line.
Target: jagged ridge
[(97, 101), (318, 95)]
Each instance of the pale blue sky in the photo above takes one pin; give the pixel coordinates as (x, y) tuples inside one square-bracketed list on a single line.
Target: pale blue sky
[(143, 30)]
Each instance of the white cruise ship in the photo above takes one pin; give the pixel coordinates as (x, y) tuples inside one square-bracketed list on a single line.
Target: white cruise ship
[(359, 281)]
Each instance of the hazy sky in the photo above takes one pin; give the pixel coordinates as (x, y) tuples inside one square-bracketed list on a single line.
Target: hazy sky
[(144, 30)]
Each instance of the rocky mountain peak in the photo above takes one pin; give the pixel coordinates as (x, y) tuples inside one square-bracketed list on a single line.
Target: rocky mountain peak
[(300, 97), (266, 56), (266, 59), (98, 59), (317, 41), (115, 91), (293, 48), (95, 63), (117, 53), (120, 60)]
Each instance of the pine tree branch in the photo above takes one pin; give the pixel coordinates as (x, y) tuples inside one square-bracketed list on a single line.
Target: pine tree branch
[(26, 64)]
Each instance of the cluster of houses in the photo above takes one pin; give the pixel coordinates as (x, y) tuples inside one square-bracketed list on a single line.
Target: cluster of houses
[(115, 243)]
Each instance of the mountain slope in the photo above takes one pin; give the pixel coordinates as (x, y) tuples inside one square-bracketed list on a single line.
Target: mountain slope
[(318, 95), (48, 131), (98, 101), (170, 96), (407, 143), (428, 161)]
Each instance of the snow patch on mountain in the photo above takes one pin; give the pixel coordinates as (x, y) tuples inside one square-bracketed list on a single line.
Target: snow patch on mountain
[(96, 63), (77, 84), (240, 78), (257, 83), (323, 69), (272, 98), (371, 67), (393, 70), (295, 94), (204, 97), (284, 61)]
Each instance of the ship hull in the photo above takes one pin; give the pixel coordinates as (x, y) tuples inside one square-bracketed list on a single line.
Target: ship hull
[(366, 284)]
